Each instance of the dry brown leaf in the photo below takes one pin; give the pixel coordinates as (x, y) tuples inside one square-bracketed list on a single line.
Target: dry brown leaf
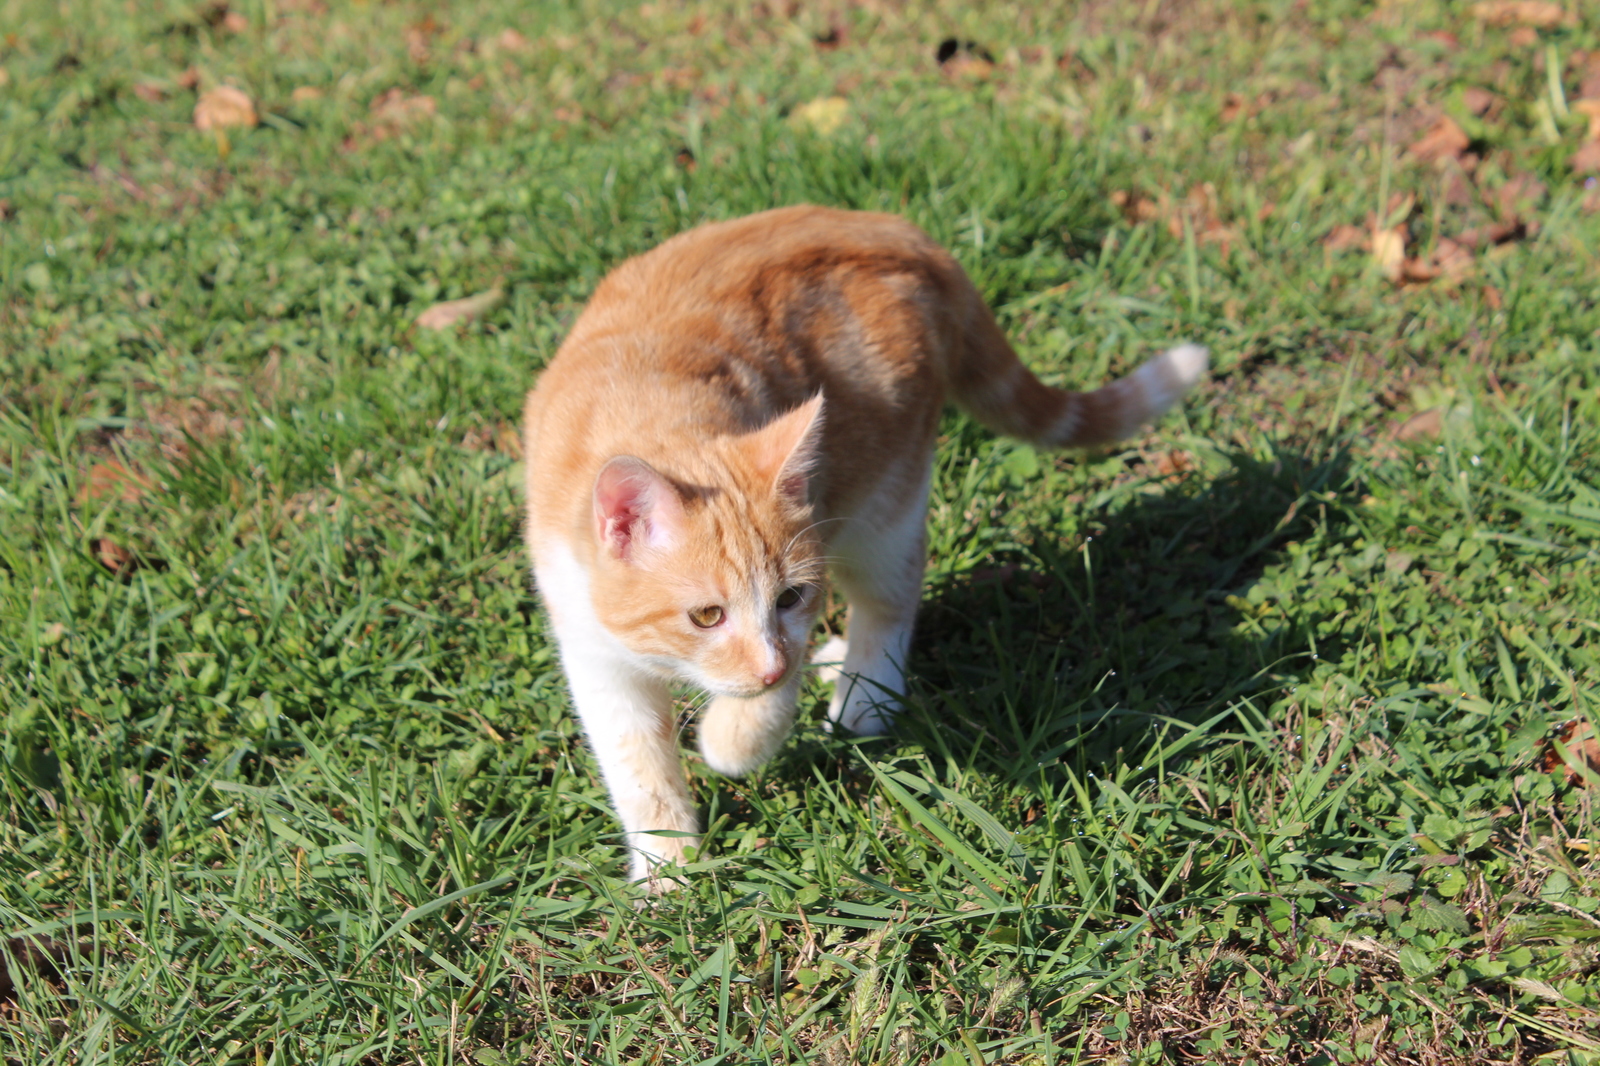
[(1588, 68), (222, 108), (114, 557), (234, 22), (113, 479), (510, 41), (1422, 424), (399, 109), (149, 91), (188, 79), (1389, 251), (1454, 261), (1519, 193), (305, 93), (1478, 100), (1583, 749), (449, 313), (1343, 238), (1586, 160), (1444, 140), (1538, 13), (1590, 109), (1496, 233), (1135, 207), (1417, 270), (1492, 297)]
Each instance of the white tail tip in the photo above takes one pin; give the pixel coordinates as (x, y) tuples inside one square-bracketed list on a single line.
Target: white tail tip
[(1167, 377), (1187, 363)]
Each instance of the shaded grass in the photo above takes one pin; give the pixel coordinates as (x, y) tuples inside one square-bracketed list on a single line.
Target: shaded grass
[(1231, 745)]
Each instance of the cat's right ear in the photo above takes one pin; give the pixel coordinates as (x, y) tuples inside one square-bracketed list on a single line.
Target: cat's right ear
[(635, 508)]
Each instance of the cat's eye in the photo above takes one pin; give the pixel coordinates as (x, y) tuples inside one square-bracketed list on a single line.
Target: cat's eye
[(788, 597), (706, 617)]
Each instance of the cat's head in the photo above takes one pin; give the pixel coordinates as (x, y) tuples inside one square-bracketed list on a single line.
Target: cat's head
[(717, 582)]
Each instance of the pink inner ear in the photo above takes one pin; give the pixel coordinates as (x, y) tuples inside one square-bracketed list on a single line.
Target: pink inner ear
[(635, 507), (788, 447)]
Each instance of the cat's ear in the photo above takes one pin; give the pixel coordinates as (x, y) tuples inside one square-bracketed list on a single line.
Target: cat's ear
[(635, 508), (787, 449)]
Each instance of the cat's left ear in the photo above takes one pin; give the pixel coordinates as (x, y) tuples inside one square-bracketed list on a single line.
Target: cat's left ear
[(787, 449)]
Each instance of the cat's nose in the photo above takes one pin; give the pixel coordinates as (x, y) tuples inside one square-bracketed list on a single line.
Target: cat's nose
[(775, 670)]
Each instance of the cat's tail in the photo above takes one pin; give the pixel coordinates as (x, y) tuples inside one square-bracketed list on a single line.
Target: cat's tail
[(990, 383)]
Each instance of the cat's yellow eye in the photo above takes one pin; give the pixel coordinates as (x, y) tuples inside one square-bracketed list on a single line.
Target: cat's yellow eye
[(788, 597), (706, 617)]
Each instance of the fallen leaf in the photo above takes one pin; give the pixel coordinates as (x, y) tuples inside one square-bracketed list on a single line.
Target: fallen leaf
[(952, 48), (1422, 424), (1454, 261), (449, 313), (1591, 110), (395, 107), (1586, 160), (1135, 207), (222, 108), (823, 115), (1582, 746), (1538, 13), (189, 79), (1343, 238), (112, 479), (234, 22), (1389, 251), (1416, 270), (305, 93), (1477, 100), (114, 557), (1492, 297), (1496, 233), (1444, 140), (1588, 74), (1519, 193), (509, 40), (149, 92)]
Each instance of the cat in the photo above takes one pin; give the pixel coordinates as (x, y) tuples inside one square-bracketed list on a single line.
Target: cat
[(737, 414)]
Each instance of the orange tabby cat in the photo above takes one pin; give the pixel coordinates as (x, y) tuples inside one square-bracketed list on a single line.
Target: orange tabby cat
[(738, 413)]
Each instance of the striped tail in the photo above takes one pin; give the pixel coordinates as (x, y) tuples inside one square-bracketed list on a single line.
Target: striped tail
[(990, 383)]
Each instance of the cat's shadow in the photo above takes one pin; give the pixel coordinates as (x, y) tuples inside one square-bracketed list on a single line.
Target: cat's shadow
[(1070, 652)]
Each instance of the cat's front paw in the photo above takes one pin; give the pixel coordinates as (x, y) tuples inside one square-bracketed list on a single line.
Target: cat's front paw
[(739, 734), (828, 660)]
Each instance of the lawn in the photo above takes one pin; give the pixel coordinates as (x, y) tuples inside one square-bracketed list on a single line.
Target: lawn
[(1268, 737)]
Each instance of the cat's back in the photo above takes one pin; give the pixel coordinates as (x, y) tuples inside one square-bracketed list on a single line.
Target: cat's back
[(723, 327)]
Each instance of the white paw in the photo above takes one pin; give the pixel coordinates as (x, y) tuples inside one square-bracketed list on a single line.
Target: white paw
[(828, 660)]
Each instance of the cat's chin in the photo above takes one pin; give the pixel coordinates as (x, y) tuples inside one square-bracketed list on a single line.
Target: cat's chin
[(725, 693)]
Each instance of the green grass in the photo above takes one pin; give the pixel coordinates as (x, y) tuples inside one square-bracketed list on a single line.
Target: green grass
[(1229, 746)]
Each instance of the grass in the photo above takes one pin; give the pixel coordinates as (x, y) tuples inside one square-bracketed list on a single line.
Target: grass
[(1239, 744)]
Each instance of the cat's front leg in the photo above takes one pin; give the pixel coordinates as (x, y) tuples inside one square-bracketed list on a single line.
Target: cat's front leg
[(739, 734), (628, 717)]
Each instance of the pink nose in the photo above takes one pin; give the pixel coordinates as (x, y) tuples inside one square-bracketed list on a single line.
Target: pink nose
[(775, 672)]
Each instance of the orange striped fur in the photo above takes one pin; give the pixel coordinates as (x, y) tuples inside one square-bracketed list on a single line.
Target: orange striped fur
[(737, 413)]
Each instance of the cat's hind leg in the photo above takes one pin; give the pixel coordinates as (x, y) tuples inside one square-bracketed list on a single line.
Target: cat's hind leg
[(878, 565)]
